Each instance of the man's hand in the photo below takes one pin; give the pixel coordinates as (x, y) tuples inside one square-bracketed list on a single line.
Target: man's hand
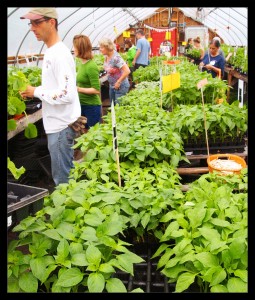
[(28, 93)]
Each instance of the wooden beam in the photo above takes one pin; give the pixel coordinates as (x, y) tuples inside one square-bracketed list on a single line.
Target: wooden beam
[(204, 156), (22, 123), (22, 59), (197, 170)]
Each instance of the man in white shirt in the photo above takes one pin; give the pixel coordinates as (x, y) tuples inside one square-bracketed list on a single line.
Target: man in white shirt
[(58, 92)]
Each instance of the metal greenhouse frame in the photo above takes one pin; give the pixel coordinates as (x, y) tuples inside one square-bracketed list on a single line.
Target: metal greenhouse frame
[(230, 23)]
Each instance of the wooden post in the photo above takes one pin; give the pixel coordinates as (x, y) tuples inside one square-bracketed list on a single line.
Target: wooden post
[(229, 84)]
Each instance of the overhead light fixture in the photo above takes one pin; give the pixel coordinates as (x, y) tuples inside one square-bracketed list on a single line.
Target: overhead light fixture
[(135, 26), (199, 13)]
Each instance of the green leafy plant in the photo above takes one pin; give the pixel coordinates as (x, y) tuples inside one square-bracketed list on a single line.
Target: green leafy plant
[(99, 60), (144, 138), (149, 73), (16, 172), (205, 237), (223, 121), (193, 53), (73, 243), (238, 59), (187, 93), (18, 79)]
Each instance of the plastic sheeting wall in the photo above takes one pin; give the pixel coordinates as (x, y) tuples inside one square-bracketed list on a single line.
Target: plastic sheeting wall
[(230, 23), (97, 22)]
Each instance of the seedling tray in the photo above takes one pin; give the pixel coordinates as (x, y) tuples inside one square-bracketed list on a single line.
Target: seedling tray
[(146, 276), (19, 195), (214, 149)]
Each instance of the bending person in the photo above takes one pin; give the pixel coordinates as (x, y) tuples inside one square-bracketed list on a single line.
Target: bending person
[(117, 70), (213, 62)]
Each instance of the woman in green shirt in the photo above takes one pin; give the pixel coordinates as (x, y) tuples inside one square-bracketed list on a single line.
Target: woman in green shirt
[(131, 51), (87, 80)]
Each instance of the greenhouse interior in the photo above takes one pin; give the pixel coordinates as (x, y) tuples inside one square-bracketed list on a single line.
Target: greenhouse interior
[(127, 150)]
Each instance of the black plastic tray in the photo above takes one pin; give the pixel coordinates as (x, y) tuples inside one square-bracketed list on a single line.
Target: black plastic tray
[(45, 163), (24, 195), (33, 105)]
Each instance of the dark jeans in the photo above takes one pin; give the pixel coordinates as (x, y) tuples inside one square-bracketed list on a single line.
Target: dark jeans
[(136, 66), (93, 114), (130, 76)]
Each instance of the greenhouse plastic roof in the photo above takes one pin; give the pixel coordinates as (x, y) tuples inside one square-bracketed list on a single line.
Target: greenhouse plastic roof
[(230, 23)]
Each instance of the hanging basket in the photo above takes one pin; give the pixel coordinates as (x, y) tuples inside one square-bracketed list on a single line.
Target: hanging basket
[(226, 163)]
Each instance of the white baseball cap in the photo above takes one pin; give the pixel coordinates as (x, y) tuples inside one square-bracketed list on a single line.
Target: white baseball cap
[(216, 38)]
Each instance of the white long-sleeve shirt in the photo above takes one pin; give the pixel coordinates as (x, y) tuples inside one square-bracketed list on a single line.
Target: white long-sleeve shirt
[(58, 92)]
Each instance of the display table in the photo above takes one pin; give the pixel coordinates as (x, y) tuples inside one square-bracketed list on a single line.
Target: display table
[(233, 77), (233, 74)]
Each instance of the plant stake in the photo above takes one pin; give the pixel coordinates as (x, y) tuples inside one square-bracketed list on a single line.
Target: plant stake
[(200, 85), (115, 142)]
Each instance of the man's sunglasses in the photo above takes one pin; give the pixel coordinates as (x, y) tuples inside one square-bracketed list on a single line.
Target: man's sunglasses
[(37, 22)]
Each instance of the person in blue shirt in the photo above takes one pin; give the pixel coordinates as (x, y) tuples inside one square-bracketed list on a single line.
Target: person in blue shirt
[(213, 62), (221, 52), (143, 48)]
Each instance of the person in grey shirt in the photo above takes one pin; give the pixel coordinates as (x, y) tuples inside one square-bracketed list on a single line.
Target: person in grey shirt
[(143, 48)]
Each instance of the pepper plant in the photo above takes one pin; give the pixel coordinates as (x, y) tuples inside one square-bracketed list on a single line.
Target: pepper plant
[(223, 122), (73, 243), (205, 239)]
